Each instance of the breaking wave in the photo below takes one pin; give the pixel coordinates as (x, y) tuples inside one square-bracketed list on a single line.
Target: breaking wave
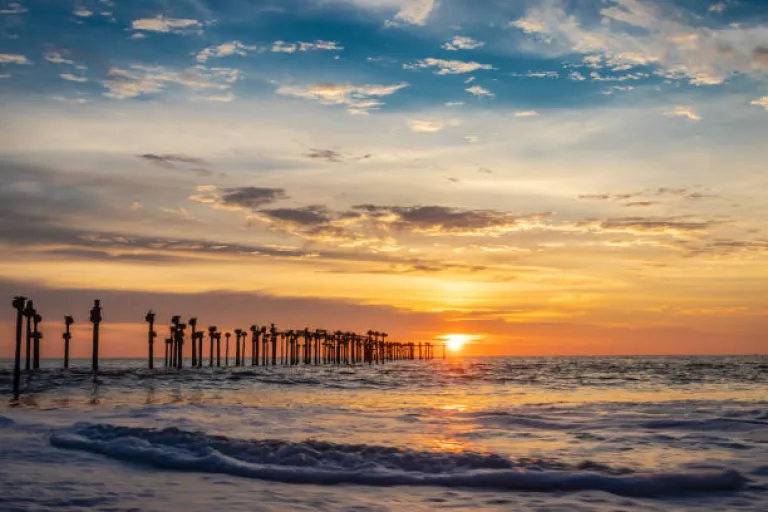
[(323, 463)]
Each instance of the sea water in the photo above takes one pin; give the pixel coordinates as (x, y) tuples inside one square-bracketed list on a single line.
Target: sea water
[(591, 433)]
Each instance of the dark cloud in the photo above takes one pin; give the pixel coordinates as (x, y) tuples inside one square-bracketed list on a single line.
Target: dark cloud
[(683, 192), (170, 161), (251, 197), (307, 215), (639, 203), (657, 224), (334, 156), (325, 154), (448, 220)]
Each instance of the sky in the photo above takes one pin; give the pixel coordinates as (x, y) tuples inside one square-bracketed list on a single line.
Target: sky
[(546, 177)]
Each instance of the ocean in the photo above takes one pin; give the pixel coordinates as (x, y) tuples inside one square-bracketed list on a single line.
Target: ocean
[(544, 434)]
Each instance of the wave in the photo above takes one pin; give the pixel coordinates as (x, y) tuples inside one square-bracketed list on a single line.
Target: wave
[(324, 463)]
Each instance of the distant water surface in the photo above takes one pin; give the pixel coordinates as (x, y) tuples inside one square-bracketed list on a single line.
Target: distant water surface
[(592, 433)]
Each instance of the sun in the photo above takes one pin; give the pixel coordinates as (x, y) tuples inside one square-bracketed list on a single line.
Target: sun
[(455, 342)]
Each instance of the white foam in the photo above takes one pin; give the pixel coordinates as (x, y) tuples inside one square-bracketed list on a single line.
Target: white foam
[(313, 462)]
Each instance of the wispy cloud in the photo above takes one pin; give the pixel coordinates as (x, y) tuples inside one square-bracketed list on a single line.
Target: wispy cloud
[(684, 111), (641, 33), (431, 125), (477, 90), (448, 67), (140, 80), (167, 25), (527, 113), (462, 43), (359, 99), (761, 102), (13, 58)]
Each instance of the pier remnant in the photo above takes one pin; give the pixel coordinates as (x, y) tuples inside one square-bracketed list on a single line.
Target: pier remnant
[(150, 318), (19, 304), (67, 336), (96, 320)]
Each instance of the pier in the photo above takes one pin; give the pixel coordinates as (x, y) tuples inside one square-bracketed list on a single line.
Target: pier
[(269, 345)]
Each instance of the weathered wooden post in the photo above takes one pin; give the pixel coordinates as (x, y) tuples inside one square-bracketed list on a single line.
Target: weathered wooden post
[(29, 314), (255, 333), (218, 348), (36, 335), (212, 336), (273, 339), (180, 345), (68, 321), (168, 344), (226, 350), (238, 333), (201, 336), (96, 320), (19, 304), (150, 318), (193, 336)]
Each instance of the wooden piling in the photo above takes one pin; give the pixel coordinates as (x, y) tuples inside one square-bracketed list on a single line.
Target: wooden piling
[(96, 320), (19, 304)]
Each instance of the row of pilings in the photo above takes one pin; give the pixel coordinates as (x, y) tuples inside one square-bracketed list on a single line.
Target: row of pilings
[(254, 346)]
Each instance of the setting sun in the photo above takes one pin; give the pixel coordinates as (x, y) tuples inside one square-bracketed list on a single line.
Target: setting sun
[(455, 342)]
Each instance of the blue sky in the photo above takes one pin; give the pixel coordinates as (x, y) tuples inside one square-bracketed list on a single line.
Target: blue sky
[(538, 163)]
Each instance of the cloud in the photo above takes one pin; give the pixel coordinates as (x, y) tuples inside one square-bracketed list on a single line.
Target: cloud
[(448, 67), (13, 58), (537, 74), (689, 193), (431, 125), (462, 43), (82, 13), (140, 80), (167, 25), (172, 161), (224, 50), (238, 48), (655, 224), (283, 47), (642, 33), (761, 102), (476, 90), (14, 8), (719, 7), (56, 58), (359, 99), (527, 113), (683, 111), (73, 78), (238, 198), (415, 12), (325, 154), (223, 98), (443, 220)]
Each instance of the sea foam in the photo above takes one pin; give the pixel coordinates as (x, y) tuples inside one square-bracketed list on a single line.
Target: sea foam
[(323, 463)]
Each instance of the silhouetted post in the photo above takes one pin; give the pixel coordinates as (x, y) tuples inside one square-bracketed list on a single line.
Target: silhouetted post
[(238, 333), (255, 333), (226, 350), (201, 335), (29, 314), (212, 336), (36, 335), (96, 320), (68, 321), (180, 345), (273, 339), (18, 303), (193, 336), (150, 318), (218, 349)]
